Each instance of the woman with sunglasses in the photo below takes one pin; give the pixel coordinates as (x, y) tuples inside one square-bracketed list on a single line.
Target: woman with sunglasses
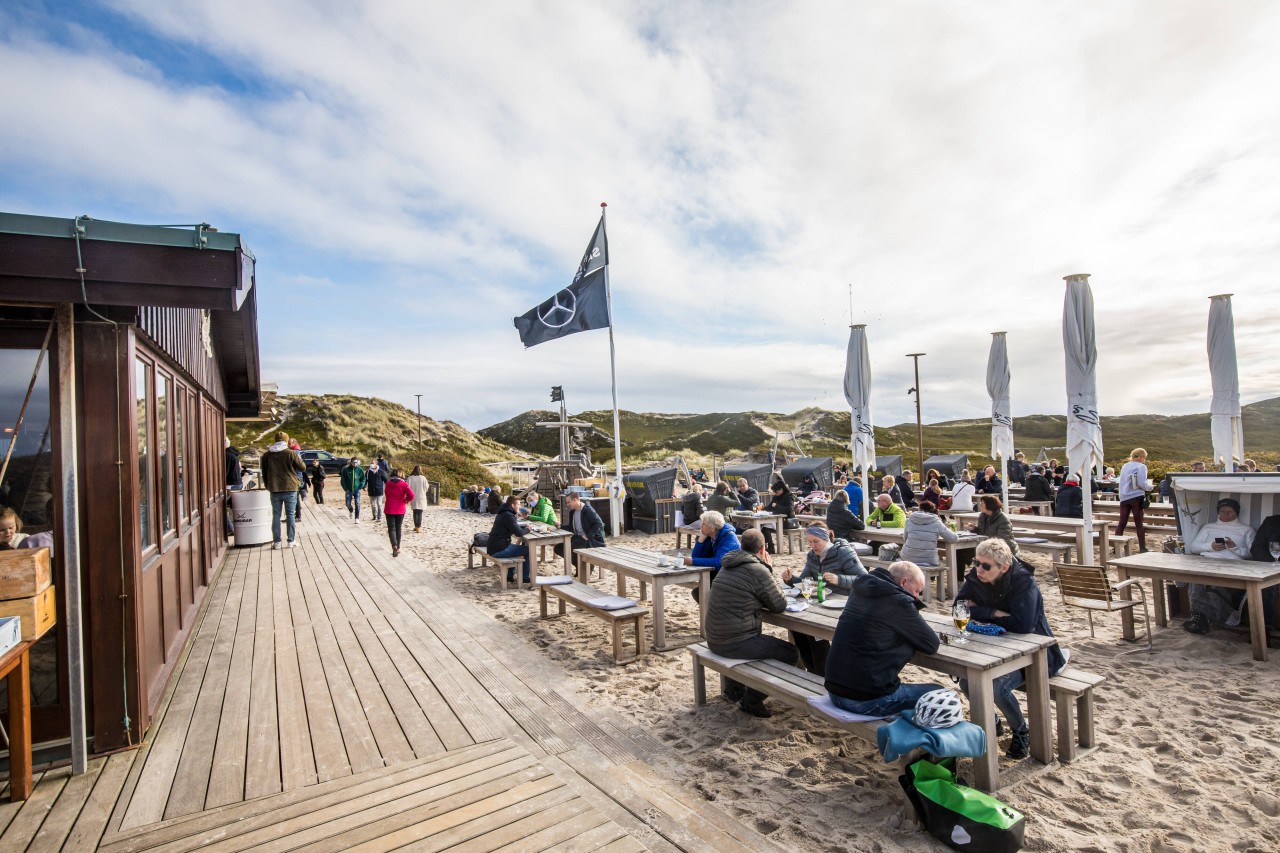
[(1003, 592)]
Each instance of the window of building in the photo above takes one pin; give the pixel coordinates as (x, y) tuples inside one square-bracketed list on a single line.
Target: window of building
[(142, 416)]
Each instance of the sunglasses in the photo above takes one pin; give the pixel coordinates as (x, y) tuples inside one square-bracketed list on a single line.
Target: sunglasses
[(986, 567)]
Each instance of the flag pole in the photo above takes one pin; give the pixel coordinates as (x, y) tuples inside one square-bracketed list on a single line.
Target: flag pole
[(615, 497)]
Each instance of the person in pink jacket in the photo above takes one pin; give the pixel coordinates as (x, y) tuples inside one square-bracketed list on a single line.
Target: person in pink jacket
[(398, 495)]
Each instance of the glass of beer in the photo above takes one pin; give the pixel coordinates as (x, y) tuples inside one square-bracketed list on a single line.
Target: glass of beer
[(960, 616)]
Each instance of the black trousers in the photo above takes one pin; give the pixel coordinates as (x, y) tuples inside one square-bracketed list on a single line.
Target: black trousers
[(318, 491), (759, 647), (417, 518), (395, 523), (812, 651), (578, 543)]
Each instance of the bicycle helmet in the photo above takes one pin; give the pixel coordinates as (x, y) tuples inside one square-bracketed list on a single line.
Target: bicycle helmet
[(939, 709)]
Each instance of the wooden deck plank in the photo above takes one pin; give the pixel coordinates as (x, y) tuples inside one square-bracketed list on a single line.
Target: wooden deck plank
[(65, 810), (251, 815), (540, 831), (443, 716), (416, 727), (191, 781), (590, 839), (91, 823), (150, 794), (334, 576), (9, 810), (326, 734), (262, 772), (354, 725), (297, 763), (298, 613), (31, 816), (391, 742), (230, 749)]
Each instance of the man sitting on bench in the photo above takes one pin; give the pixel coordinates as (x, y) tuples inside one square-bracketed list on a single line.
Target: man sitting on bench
[(582, 520), (743, 588), (879, 631), (716, 540)]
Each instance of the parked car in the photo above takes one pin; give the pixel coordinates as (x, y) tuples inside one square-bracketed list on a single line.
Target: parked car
[(330, 463)]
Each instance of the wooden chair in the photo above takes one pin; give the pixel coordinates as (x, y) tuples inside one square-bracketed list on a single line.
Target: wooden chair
[(1090, 588)]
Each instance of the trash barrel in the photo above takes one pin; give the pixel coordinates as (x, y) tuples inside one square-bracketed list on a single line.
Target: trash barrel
[(251, 517)]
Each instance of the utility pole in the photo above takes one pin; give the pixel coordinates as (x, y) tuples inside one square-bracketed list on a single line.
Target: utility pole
[(915, 356), (419, 396)]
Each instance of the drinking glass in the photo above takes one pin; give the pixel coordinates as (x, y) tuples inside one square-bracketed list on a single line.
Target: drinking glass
[(1275, 550), (960, 616), (807, 587)]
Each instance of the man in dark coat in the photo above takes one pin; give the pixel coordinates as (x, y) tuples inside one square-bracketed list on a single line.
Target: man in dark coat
[(879, 631), (989, 483), (1069, 502), (691, 504), (280, 467), (747, 496), (741, 591), (506, 527), (1038, 487), (582, 520), (233, 465), (903, 482)]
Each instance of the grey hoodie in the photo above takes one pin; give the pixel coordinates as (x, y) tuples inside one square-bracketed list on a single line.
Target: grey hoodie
[(920, 539)]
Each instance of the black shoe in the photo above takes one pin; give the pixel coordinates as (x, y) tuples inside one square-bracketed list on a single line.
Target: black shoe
[(734, 692), (755, 709), (1197, 624), (999, 727), (1020, 746)]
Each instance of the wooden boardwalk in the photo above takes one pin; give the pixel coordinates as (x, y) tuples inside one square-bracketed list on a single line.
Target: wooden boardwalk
[(332, 698)]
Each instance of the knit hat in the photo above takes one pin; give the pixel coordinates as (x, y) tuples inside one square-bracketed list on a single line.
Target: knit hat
[(1231, 502), (819, 532)]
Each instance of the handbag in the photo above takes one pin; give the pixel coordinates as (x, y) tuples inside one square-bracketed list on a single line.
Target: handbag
[(960, 817)]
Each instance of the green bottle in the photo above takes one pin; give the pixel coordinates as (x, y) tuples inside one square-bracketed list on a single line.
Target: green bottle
[(822, 590)]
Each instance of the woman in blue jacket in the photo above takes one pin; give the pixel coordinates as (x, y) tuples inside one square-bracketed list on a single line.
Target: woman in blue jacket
[(1004, 593)]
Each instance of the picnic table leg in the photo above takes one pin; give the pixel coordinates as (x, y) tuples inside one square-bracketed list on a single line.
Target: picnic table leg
[(1038, 717), (617, 641), (641, 641), (1104, 545), (699, 682), (659, 615), (622, 583), (568, 556), (542, 602), (1126, 615), (704, 595), (986, 768), (1257, 620), (19, 682)]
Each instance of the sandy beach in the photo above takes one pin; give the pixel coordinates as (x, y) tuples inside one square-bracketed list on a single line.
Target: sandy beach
[(1188, 759)]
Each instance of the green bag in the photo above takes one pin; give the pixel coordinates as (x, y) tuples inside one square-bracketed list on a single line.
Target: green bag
[(963, 818)]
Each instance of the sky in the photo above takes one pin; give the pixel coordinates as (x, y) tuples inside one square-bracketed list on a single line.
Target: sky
[(411, 176)]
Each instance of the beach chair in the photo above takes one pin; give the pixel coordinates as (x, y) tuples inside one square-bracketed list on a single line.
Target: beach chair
[(1090, 588)]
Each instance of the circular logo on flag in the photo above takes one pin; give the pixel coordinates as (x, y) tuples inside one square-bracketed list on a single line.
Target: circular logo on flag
[(560, 310)]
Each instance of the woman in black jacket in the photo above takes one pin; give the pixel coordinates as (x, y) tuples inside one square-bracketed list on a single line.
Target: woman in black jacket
[(839, 518), (1002, 591), (781, 502)]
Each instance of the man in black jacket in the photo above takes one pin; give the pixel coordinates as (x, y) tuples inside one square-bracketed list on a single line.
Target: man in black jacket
[(744, 587), (903, 482), (1069, 502), (879, 631), (582, 520), (1038, 487), (506, 527), (747, 496), (989, 483)]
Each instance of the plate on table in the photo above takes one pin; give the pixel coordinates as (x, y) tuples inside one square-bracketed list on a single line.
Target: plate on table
[(834, 603), (791, 592)]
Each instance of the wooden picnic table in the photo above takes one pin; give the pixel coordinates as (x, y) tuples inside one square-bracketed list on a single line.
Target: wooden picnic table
[(540, 540), (15, 667), (1250, 575), (951, 550), (1057, 524), (1017, 503), (981, 661), (642, 566), (757, 520)]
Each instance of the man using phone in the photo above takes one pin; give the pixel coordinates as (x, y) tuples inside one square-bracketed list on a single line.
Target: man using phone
[(1225, 539)]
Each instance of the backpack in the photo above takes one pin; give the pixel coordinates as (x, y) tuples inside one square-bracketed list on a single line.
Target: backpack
[(480, 540), (960, 817)]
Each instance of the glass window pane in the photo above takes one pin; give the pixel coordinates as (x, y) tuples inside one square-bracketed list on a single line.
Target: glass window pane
[(180, 449), (142, 415), (164, 459)]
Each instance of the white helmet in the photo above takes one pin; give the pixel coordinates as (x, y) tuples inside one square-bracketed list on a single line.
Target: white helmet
[(939, 709)]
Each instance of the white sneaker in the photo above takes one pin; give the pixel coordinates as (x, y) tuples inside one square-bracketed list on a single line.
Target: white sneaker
[(276, 546), (293, 544)]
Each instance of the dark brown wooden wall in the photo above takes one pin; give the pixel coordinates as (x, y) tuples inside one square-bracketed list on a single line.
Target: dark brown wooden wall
[(176, 333)]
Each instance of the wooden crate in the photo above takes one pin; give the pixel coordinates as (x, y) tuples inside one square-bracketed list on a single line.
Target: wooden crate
[(39, 612), (24, 572)]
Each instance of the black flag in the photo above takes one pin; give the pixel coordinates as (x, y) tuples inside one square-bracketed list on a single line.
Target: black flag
[(581, 306)]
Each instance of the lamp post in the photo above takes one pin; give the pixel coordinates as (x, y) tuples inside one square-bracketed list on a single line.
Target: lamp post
[(419, 396), (915, 356)]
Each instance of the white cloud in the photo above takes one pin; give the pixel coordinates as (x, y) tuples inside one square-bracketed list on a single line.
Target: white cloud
[(433, 170)]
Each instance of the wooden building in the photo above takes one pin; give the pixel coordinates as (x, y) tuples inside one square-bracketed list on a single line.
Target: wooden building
[(147, 341)]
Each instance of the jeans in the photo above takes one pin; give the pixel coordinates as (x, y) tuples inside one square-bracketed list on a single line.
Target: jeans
[(395, 524), (417, 518), (759, 647), (286, 502), (1004, 686), (902, 699), (376, 502), (353, 503), (514, 550)]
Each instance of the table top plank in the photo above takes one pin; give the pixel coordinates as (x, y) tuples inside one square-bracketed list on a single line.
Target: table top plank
[(1196, 564)]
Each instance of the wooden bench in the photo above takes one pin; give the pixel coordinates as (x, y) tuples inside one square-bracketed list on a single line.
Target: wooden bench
[(579, 595), (1072, 694), (1059, 550), (503, 564), (689, 531), (787, 684)]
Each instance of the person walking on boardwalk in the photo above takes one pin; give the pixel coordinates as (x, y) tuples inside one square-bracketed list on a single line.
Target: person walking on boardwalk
[(317, 482), (376, 479), (398, 495), (352, 479), (280, 467), (420, 486)]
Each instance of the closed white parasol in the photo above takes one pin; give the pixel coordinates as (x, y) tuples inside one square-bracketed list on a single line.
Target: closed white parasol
[(1084, 426), (857, 390), (1224, 408), (1001, 410)]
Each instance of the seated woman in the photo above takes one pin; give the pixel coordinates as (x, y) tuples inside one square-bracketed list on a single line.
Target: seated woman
[(835, 561), (1227, 538), (722, 500), (932, 494), (921, 535), (889, 486), (1004, 593), (540, 509), (1069, 501), (935, 474), (781, 502), (691, 504), (994, 523), (840, 519), (962, 493)]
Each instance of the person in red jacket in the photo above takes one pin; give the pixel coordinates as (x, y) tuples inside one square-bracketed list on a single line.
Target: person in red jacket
[(398, 495)]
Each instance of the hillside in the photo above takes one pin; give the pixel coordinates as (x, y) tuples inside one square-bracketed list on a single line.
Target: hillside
[(1170, 440), (344, 424)]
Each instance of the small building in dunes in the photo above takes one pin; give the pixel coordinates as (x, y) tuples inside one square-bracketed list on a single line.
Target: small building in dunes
[(123, 350)]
